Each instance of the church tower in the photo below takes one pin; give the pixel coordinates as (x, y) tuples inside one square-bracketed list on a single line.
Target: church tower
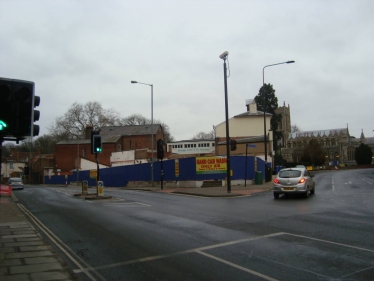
[(285, 125)]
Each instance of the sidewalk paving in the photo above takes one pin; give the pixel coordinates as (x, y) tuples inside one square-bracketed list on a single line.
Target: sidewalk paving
[(24, 254)]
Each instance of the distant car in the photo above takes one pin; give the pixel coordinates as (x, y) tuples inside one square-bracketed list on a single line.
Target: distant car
[(294, 180), (15, 183)]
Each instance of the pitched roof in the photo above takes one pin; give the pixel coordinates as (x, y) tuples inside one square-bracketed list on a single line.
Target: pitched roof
[(104, 139), (248, 114), (111, 134), (130, 130), (316, 133)]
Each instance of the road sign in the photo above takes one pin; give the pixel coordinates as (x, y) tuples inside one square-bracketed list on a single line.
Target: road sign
[(251, 145), (100, 188), (84, 187)]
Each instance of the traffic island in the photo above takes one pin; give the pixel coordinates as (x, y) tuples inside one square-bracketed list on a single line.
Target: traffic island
[(92, 196), (95, 197)]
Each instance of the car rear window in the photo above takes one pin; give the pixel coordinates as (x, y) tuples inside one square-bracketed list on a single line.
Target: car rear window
[(15, 180), (290, 174)]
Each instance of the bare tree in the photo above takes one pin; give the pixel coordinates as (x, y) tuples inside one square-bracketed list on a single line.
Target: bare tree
[(204, 136), (72, 124), (295, 128), (135, 119), (138, 119)]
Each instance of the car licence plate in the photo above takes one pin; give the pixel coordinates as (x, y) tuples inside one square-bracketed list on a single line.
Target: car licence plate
[(288, 188)]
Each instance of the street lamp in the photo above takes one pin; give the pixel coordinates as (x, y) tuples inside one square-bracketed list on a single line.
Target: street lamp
[(135, 82), (228, 172), (263, 84)]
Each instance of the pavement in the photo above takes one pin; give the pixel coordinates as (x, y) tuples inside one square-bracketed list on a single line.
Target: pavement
[(222, 191), (26, 256)]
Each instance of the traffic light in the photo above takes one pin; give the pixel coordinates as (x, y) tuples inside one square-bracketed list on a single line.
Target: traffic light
[(17, 114), (233, 145), (96, 144), (160, 149)]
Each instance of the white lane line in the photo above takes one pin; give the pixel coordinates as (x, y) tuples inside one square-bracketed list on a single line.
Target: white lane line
[(330, 242), (333, 186), (127, 203), (61, 245), (143, 204), (238, 266), (14, 197), (182, 252), (63, 193)]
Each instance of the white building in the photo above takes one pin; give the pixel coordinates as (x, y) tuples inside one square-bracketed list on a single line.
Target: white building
[(205, 146)]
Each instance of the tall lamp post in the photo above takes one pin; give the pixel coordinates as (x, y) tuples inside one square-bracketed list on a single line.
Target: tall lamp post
[(228, 176), (263, 84), (135, 82)]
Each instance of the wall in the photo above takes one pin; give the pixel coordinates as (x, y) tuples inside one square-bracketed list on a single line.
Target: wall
[(120, 176), (244, 126)]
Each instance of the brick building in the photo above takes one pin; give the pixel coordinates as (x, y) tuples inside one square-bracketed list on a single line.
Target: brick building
[(70, 153)]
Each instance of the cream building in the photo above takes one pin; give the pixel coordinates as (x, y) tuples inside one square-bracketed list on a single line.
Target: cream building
[(246, 128)]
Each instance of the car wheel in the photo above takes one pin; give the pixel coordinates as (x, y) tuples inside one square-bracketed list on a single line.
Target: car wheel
[(306, 194), (276, 195)]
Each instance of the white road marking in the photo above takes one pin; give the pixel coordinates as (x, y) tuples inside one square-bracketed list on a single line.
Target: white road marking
[(238, 266), (182, 252), (330, 242), (127, 203)]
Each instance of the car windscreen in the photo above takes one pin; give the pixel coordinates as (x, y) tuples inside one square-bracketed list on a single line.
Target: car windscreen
[(290, 174)]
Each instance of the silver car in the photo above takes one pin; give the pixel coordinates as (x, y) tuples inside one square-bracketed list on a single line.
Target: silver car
[(294, 180), (15, 183)]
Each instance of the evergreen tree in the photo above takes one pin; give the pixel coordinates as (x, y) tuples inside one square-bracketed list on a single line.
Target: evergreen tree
[(363, 155), (267, 92)]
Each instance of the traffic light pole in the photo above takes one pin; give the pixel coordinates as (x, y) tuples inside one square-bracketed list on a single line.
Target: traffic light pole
[(162, 175), (97, 175), (1, 157)]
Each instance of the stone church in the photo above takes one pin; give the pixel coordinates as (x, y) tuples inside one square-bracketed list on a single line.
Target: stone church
[(338, 144)]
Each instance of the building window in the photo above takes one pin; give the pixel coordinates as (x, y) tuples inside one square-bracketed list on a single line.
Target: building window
[(351, 153), (10, 165)]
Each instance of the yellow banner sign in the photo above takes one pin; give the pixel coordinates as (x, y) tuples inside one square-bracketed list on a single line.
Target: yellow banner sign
[(176, 168), (211, 165), (93, 174)]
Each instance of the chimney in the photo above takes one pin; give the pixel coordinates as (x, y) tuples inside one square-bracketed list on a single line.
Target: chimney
[(89, 129), (251, 106)]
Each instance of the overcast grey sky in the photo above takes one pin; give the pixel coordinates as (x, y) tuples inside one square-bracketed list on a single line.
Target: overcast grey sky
[(80, 51)]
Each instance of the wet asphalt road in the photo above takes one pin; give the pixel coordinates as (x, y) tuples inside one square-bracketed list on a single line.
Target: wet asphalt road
[(152, 236)]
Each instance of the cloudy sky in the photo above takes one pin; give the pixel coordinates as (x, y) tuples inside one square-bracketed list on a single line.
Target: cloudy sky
[(80, 51)]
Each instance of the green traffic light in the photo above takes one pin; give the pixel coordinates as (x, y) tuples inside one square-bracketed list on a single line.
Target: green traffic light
[(2, 125)]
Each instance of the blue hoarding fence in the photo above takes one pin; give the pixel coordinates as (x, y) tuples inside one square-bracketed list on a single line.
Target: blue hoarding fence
[(120, 176)]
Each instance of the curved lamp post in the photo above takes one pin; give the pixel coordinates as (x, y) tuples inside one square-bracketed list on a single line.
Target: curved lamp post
[(135, 82), (263, 84)]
